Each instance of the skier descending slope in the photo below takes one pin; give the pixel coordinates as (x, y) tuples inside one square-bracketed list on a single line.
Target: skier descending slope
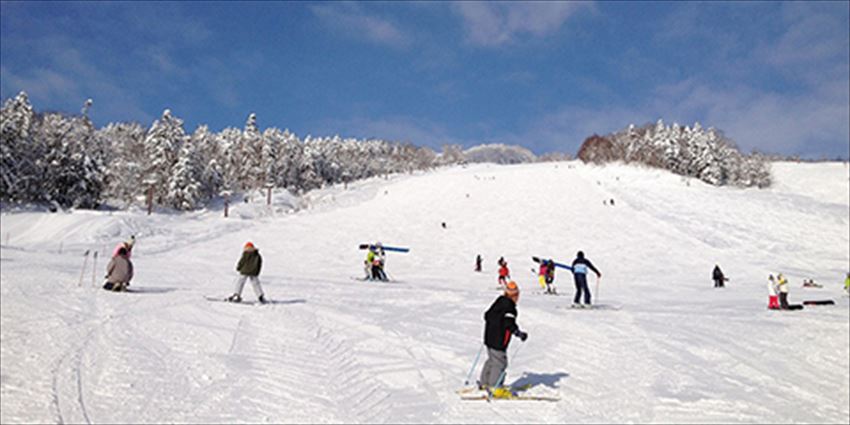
[(249, 267), (500, 324), (580, 266)]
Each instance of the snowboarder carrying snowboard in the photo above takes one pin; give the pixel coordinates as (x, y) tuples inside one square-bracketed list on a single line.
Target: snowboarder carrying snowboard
[(547, 276), (375, 259), (249, 267), (504, 272), (718, 277), (119, 271), (580, 266), (500, 324)]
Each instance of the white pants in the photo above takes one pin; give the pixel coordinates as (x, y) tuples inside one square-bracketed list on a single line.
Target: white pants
[(255, 281)]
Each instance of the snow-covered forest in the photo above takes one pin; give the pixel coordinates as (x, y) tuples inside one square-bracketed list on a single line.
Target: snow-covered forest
[(690, 151), (64, 161)]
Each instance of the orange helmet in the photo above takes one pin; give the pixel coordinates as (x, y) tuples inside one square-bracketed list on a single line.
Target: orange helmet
[(511, 288), (248, 245)]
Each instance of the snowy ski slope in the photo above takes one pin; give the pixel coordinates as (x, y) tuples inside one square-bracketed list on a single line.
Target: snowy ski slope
[(334, 349)]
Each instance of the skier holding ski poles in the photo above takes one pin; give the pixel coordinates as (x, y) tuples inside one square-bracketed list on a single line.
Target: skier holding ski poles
[(580, 266), (500, 324)]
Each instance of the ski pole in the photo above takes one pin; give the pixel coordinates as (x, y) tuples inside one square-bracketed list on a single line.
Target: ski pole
[(85, 262), (598, 278), (475, 363)]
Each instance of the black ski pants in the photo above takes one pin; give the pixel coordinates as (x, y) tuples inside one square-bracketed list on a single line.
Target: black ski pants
[(581, 286)]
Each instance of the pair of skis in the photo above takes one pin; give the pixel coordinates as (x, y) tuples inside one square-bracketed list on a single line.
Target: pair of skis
[(501, 394)]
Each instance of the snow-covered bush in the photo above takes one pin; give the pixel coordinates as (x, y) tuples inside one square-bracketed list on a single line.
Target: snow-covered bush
[(690, 151), (499, 154)]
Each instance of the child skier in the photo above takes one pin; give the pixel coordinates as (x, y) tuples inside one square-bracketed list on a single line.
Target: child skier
[(580, 266), (504, 272), (375, 262), (772, 298), (500, 324), (249, 267), (547, 276), (550, 278), (119, 271)]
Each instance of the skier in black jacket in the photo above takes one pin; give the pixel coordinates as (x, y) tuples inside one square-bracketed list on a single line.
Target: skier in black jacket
[(718, 277), (580, 266), (500, 325)]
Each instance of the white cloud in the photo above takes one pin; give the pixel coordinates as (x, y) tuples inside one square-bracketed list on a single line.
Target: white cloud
[(492, 24), (351, 19), (418, 131)]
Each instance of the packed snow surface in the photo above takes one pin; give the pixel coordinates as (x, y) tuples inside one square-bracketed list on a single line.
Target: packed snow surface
[(336, 349)]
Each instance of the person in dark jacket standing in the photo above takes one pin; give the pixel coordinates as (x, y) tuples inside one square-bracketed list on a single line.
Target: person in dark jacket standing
[(580, 266), (249, 267), (718, 277), (500, 324)]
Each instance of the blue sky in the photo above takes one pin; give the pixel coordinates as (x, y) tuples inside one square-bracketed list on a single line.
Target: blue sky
[(773, 76)]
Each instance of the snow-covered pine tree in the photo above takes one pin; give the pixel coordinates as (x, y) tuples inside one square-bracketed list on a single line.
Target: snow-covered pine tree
[(125, 149), (184, 184), (208, 150), (251, 152), (17, 150), (163, 141)]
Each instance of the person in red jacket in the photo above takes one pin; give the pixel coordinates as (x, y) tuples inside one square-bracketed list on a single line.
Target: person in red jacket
[(504, 272)]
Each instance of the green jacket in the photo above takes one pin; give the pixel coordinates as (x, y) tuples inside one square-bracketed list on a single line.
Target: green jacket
[(250, 263)]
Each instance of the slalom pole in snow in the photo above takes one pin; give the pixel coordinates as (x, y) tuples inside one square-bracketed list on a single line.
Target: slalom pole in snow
[(94, 269), (597, 288), (85, 262), (475, 363)]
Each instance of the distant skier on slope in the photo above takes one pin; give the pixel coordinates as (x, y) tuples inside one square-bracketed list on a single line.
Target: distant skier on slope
[(500, 324), (478, 261), (546, 276), (375, 260), (580, 266), (782, 283), (504, 272), (718, 277), (249, 266), (772, 298), (119, 271)]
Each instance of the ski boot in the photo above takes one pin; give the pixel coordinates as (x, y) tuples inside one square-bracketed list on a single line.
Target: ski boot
[(235, 298), (262, 299)]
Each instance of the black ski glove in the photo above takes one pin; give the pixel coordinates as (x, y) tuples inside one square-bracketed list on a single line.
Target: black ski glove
[(522, 335)]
